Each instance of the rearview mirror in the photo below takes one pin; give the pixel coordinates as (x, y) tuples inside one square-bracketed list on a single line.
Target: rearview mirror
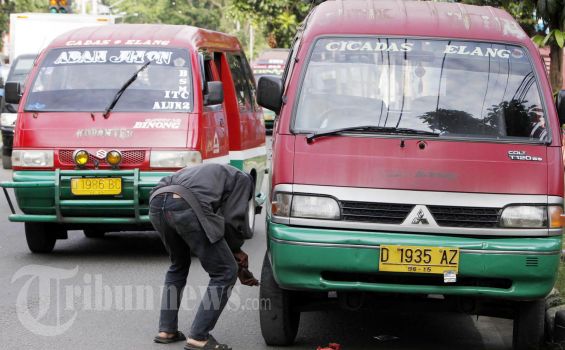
[(561, 106), (12, 92), (269, 92), (215, 94)]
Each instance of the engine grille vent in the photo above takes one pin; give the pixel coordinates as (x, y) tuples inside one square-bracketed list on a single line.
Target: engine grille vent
[(471, 217)]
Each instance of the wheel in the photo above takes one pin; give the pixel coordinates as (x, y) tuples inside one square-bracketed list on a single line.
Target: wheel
[(279, 323), (94, 233), (6, 161), (529, 328), (251, 215), (40, 236)]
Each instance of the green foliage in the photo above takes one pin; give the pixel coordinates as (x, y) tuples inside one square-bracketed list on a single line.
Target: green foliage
[(279, 19)]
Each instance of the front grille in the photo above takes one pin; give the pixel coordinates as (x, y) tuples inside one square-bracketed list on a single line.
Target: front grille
[(382, 213), (131, 158), (466, 216)]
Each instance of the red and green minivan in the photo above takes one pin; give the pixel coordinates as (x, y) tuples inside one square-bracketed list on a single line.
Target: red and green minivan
[(416, 156), (108, 111)]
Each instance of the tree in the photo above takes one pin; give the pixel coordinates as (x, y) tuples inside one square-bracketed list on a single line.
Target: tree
[(552, 12), (278, 18)]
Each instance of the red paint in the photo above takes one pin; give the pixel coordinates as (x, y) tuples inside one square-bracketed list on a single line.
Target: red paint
[(380, 162), (237, 127)]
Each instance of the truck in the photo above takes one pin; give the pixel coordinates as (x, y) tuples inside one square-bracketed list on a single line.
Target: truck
[(416, 159), (29, 34)]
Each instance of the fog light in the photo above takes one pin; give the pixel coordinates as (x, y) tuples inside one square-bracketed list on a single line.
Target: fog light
[(80, 157), (114, 157)]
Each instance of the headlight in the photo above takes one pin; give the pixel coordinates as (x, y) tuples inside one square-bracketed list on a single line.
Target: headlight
[(8, 119), (174, 159), (524, 216), (302, 206), (32, 158)]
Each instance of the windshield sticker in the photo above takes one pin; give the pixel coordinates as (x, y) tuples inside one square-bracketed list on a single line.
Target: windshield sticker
[(163, 123), (368, 46), (101, 42), (482, 51), (185, 106), (118, 133), (179, 62), (124, 56)]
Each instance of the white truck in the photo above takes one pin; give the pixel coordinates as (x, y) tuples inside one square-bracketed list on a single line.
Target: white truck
[(31, 32)]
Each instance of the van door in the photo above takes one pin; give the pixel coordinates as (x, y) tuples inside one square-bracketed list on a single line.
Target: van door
[(216, 144), (249, 113)]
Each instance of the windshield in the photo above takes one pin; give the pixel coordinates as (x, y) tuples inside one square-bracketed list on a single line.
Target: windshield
[(454, 88), (87, 79), (20, 69)]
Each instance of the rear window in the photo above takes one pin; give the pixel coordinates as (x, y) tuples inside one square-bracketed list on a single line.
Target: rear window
[(453, 88), (86, 79)]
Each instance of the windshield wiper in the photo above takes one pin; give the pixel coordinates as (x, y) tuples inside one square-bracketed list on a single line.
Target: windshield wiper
[(122, 89), (371, 129)]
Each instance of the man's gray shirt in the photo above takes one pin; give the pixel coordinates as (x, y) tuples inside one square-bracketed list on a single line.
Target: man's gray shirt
[(223, 193)]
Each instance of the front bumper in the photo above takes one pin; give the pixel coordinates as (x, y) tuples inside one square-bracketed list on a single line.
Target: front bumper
[(45, 196), (342, 260)]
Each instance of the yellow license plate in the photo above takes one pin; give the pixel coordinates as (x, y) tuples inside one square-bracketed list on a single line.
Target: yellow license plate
[(415, 259), (96, 186)]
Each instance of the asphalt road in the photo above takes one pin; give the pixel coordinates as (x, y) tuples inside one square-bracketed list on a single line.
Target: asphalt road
[(104, 294)]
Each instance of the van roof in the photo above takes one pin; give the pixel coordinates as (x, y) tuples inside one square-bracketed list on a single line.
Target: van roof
[(140, 34), (413, 18)]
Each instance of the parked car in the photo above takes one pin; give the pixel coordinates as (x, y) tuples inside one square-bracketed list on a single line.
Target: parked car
[(18, 73), (269, 62), (100, 124), (416, 158)]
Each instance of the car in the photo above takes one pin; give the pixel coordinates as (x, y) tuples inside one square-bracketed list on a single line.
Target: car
[(110, 110), (416, 159), (18, 73), (269, 62)]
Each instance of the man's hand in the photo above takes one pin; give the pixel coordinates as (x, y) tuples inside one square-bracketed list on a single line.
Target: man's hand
[(245, 276)]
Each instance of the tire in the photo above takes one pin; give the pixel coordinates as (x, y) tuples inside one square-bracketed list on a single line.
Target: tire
[(40, 237), (6, 162), (529, 327), (94, 233), (251, 215), (279, 323)]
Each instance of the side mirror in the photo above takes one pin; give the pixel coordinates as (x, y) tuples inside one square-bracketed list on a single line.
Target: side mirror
[(561, 106), (215, 94), (12, 92), (269, 92)]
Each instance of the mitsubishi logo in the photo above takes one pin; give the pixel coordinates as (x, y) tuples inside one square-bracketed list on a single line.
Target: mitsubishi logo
[(101, 154), (420, 216)]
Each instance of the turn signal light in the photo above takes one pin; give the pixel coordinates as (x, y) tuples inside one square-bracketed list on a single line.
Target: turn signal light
[(80, 157), (114, 157), (556, 219)]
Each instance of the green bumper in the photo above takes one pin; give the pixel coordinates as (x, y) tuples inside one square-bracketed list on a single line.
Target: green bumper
[(311, 258), (45, 196)]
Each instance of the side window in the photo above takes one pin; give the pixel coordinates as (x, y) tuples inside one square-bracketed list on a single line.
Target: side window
[(290, 62), (240, 80)]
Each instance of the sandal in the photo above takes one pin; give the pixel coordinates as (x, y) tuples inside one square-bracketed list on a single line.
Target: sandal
[(212, 344), (177, 337)]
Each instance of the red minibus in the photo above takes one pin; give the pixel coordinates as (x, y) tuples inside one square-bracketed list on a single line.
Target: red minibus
[(108, 111)]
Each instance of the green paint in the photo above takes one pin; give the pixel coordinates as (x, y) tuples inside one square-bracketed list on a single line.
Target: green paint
[(300, 267)]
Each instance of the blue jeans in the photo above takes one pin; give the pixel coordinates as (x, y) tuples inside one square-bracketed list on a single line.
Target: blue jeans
[(181, 233)]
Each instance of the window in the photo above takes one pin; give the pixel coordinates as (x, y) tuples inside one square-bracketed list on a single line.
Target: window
[(241, 81), (452, 88)]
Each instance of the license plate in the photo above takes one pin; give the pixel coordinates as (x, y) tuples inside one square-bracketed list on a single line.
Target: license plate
[(437, 260), (96, 186)]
